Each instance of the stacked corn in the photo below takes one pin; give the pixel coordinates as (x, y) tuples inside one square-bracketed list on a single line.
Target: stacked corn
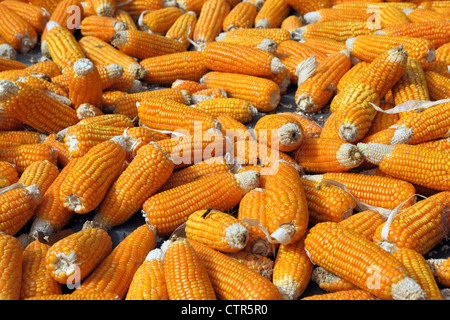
[(174, 112)]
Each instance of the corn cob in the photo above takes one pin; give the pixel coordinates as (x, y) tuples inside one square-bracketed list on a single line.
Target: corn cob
[(329, 282), (211, 93), (17, 138), (261, 264), (276, 34), (135, 8), (336, 30), (325, 46), (210, 21), (101, 27), (36, 279), (111, 120), (217, 229), (148, 281), (314, 92), (280, 132), (365, 222), (11, 268), (41, 174), (354, 294), (393, 16), (333, 14), (420, 271), (190, 86), (442, 61), (142, 45), (24, 155), (233, 129), (85, 84), (347, 78), (393, 192), (233, 280), (83, 198), (327, 155), (292, 23), (159, 114), (6, 51), (31, 106), (296, 48), (8, 64), (115, 272), (389, 157), (41, 82), (272, 14), (227, 57), (419, 227), (125, 17), (438, 144), (101, 52), (422, 15), (105, 8), (20, 34), (437, 85), (365, 4), (382, 120), (250, 152), (190, 5), (19, 204), (159, 21), (292, 270), (51, 215), (109, 96), (304, 6), (193, 148), (123, 199), (240, 110), (140, 137), (36, 16), (87, 296), (378, 273), (182, 29), (75, 256), (311, 129), (164, 70), (263, 94), (8, 174), (440, 269), (220, 191), (241, 16), (46, 67), (368, 47)]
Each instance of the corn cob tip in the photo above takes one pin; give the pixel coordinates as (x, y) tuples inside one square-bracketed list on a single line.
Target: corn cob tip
[(374, 152), (8, 52), (220, 36), (276, 66), (348, 132), (407, 289), (262, 23), (402, 135), (445, 293), (304, 103), (237, 236), (8, 89), (34, 191), (290, 134), (52, 24), (268, 45), (248, 180), (123, 141), (300, 33), (156, 253), (311, 17), (284, 233), (349, 43), (89, 224), (137, 71), (114, 71), (119, 38), (349, 155), (41, 226), (83, 67), (105, 10)]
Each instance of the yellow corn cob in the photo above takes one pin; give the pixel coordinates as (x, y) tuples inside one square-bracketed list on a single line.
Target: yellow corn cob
[(217, 229), (437, 85), (104, 8), (233, 129), (18, 206), (326, 46), (9, 122), (36, 279), (329, 282), (142, 45), (190, 149), (389, 158), (17, 138), (241, 16), (109, 96), (369, 47), (36, 16), (101, 27), (41, 174), (140, 137), (422, 15), (124, 16), (378, 272), (211, 93), (434, 5), (292, 23), (24, 155), (8, 174), (190, 86), (85, 84), (263, 94), (279, 132), (297, 48), (88, 296), (183, 28), (8, 64), (392, 16), (148, 281), (354, 294), (115, 272), (261, 264), (101, 52), (442, 61), (160, 20), (382, 120), (62, 153), (419, 227), (239, 109), (438, 144), (327, 155), (51, 215), (75, 256), (333, 14), (304, 6), (161, 114), (101, 165), (127, 194), (276, 34), (210, 21), (311, 129), (347, 78), (420, 271), (135, 8), (185, 274), (232, 58), (47, 67), (292, 270), (392, 192), (220, 191), (42, 83), (233, 280), (365, 4), (440, 269), (36, 108), (11, 267), (272, 14), (336, 30), (314, 92), (19, 33), (164, 70)]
